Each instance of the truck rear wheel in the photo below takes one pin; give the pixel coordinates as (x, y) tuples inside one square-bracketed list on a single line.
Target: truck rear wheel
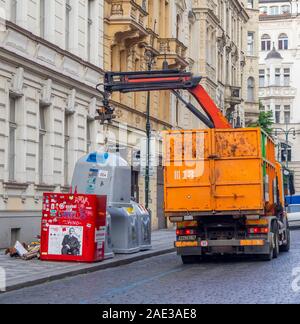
[(189, 259), (274, 246), (286, 247), (276, 250)]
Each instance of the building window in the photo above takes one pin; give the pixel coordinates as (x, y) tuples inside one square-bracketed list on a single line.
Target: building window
[(178, 27), (88, 135), (90, 28), (285, 9), (12, 139), (13, 10), (287, 77), (250, 4), (227, 72), (266, 43), (251, 87), (208, 47), (262, 78), (67, 25), (283, 42), (263, 10), (268, 78), (250, 43), (42, 134), (42, 18), (286, 152), (287, 114), (274, 10), (277, 77), (277, 114), (135, 190)]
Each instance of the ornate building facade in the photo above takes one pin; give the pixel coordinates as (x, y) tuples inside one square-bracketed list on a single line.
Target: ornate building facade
[(136, 31), (227, 55)]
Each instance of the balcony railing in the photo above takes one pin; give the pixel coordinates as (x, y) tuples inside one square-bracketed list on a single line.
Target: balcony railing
[(277, 91), (129, 10), (172, 46), (233, 94)]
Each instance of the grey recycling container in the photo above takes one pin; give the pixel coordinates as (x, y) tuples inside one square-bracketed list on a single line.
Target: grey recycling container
[(124, 230), (144, 227), (110, 175), (104, 174), (108, 252)]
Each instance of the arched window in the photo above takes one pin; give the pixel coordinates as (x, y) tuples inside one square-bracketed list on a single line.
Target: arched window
[(266, 42), (283, 42), (250, 88)]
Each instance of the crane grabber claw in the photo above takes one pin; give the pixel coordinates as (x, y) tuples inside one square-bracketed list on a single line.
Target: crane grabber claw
[(106, 113)]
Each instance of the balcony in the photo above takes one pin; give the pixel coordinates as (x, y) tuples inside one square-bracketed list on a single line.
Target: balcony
[(233, 95), (174, 51), (127, 19)]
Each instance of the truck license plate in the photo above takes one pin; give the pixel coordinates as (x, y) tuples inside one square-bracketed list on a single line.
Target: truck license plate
[(187, 238)]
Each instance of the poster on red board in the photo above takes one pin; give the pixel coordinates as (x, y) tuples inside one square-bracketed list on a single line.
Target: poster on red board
[(65, 240), (73, 227)]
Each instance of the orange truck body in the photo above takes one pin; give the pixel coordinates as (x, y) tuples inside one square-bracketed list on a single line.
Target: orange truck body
[(221, 172)]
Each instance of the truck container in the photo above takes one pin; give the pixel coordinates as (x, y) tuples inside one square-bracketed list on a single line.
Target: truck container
[(224, 189)]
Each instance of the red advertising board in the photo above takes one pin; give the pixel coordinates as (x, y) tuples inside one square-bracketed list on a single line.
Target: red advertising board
[(73, 227)]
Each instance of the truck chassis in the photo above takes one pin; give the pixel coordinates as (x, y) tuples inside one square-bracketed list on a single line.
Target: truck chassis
[(265, 237)]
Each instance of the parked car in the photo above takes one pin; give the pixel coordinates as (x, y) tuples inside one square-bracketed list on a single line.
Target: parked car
[(294, 215)]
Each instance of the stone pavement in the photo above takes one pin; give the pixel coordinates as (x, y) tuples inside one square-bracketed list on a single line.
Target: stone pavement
[(20, 274)]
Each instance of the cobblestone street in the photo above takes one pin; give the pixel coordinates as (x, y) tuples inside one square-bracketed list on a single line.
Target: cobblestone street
[(164, 279)]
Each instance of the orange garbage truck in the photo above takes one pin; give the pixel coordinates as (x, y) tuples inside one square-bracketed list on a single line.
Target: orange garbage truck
[(224, 189)]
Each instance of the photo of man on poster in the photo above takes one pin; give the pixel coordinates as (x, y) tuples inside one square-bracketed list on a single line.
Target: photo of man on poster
[(71, 244)]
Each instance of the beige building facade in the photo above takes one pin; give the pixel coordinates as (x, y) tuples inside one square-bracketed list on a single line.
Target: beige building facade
[(51, 57), (135, 30)]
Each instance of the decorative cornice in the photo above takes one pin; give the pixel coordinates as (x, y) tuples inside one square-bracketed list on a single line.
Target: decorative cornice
[(54, 47)]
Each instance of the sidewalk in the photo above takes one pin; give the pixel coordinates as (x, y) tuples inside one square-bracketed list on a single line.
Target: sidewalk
[(21, 274)]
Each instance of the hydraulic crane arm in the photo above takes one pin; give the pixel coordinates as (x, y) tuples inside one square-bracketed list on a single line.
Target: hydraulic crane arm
[(173, 80)]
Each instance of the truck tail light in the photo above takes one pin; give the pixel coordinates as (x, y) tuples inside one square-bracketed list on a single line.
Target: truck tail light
[(258, 230), (182, 232)]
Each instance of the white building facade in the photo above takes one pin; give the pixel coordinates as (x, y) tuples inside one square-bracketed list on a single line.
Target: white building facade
[(279, 72), (51, 58)]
